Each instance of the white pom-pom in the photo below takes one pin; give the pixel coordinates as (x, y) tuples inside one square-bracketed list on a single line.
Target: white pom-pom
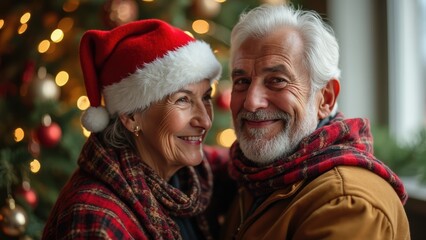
[(95, 119)]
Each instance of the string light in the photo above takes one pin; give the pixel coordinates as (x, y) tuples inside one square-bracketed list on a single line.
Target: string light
[(1, 23), (18, 134), (62, 78), (43, 46), (189, 34), (25, 18), (83, 103), (35, 166), (57, 35), (22, 28), (200, 26), (214, 88), (86, 133), (226, 137), (71, 5), (66, 24)]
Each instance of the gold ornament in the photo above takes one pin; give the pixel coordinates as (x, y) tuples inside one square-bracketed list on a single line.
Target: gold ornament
[(276, 2), (42, 87), (206, 8), (13, 219), (119, 12)]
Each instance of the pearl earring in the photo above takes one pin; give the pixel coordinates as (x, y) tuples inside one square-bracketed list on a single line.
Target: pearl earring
[(136, 130)]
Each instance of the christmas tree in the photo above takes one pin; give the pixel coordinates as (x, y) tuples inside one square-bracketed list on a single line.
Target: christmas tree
[(42, 92)]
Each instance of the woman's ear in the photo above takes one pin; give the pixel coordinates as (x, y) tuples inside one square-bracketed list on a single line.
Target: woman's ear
[(328, 100), (128, 121)]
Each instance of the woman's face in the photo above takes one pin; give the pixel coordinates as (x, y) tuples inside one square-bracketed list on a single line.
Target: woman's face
[(173, 129)]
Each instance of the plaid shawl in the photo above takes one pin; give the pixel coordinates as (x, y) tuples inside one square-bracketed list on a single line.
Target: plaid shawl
[(114, 195), (342, 142)]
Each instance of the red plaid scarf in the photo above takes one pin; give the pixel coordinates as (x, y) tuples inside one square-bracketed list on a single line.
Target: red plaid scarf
[(153, 200), (340, 143)]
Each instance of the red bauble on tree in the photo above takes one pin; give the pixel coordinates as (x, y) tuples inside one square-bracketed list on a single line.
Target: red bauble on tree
[(223, 100), (49, 133), (27, 194)]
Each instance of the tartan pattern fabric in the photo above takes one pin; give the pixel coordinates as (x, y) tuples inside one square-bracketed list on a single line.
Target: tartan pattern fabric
[(114, 195), (342, 142)]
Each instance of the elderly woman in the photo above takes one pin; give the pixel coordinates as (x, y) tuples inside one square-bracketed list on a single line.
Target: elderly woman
[(142, 173)]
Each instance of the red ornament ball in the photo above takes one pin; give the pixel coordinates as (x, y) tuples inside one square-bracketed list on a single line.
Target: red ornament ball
[(223, 100), (27, 195), (49, 136)]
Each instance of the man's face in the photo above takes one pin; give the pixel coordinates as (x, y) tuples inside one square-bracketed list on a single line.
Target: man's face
[(271, 104)]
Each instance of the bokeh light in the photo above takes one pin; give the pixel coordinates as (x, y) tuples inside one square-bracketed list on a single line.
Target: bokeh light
[(18, 134), (226, 137), (35, 166)]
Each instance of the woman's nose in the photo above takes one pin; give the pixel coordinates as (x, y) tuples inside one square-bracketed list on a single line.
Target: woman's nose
[(202, 117)]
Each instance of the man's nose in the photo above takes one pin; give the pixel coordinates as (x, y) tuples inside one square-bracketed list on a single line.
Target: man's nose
[(256, 98)]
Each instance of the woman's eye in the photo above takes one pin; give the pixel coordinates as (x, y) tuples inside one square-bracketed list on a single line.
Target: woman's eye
[(207, 97), (184, 99)]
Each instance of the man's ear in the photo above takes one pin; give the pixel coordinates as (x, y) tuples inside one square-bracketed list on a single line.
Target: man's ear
[(328, 100)]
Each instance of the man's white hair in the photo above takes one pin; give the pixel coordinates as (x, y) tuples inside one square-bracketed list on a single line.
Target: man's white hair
[(321, 53)]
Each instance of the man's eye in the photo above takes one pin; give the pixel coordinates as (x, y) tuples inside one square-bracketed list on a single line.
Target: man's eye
[(277, 82), (241, 84)]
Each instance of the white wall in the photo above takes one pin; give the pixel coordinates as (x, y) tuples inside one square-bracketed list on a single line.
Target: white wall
[(354, 29)]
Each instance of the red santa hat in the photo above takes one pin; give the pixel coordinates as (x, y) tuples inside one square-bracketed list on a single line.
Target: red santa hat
[(139, 63)]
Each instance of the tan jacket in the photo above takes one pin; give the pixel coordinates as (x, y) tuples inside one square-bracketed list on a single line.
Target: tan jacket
[(343, 203)]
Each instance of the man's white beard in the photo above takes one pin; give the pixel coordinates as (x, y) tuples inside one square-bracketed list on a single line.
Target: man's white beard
[(263, 151)]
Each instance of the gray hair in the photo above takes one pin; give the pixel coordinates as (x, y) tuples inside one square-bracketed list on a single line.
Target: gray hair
[(116, 135), (321, 51)]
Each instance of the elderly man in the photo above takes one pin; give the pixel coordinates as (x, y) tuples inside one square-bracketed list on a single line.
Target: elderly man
[(304, 171)]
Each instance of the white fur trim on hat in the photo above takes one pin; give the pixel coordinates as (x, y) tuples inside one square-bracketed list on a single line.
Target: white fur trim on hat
[(95, 119), (188, 64)]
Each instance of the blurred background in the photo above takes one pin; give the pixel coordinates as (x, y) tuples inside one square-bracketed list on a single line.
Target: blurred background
[(42, 95)]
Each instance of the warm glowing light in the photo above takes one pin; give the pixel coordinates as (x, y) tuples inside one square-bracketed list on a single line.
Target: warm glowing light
[(86, 133), (19, 134), (147, 0), (25, 18), (83, 103), (220, 1), (66, 24), (22, 28), (57, 35), (275, 2), (189, 34), (62, 78), (200, 26), (1, 23), (43, 46), (214, 88), (35, 166), (226, 137), (71, 5), (46, 120)]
